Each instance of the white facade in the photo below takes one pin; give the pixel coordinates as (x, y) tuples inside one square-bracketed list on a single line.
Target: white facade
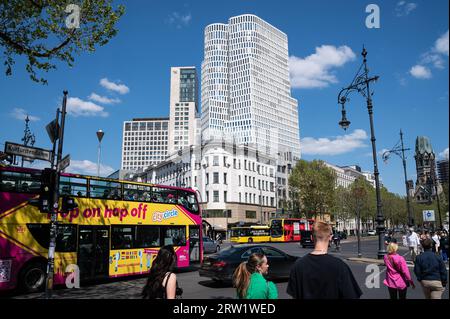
[(144, 142), (246, 90), (233, 180), (183, 108)]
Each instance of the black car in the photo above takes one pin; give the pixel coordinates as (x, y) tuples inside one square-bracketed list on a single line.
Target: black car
[(306, 238), (221, 266)]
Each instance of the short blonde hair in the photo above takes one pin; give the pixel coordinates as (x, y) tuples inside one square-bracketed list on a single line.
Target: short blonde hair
[(322, 231), (392, 248)]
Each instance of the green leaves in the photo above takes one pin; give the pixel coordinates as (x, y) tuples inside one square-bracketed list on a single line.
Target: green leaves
[(37, 30), (313, 187)]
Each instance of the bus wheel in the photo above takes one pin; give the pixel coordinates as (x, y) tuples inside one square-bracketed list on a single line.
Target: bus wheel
[(32, 277), (250, 240)]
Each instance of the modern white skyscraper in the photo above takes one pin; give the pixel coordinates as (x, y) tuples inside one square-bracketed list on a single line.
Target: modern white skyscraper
[(183, 107), (246, 91), (144, 142)]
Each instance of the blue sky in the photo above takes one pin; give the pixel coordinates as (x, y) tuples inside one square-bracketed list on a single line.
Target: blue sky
[(130, 77)]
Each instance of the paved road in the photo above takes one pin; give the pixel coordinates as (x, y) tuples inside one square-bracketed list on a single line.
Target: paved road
[(196, 287)]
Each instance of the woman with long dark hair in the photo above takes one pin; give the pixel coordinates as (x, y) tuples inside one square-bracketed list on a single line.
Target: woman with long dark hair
[(162, 282), (249, 281)]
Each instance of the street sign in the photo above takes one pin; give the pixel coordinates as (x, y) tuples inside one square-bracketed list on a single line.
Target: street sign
[(53, 130), (428, 216), (64, 163), (28, 152)]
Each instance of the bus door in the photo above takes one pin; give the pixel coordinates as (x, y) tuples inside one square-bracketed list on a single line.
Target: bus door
[(194, 243), (93, 251)]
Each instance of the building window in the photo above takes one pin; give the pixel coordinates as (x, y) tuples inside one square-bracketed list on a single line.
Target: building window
[(216, 161), (225, 196), (250, 214), (207, 197), (240, 197), (234, 163), (239, 180), (225, 161), (216, 196), (245, 180), (225, 178), (216, 178)]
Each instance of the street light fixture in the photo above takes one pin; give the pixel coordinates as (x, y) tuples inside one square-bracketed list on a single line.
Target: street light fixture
[(100, 135), (400, 151), (360, 84)]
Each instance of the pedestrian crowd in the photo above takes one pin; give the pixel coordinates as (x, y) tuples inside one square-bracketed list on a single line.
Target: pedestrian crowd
[(319, 275)]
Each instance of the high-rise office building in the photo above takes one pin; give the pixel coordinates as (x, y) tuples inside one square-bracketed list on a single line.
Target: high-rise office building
[(183, 107), (144, 142), (246, 91), (442, 167)]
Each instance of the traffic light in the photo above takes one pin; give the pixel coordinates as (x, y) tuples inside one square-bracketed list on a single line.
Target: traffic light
[(45, 200)]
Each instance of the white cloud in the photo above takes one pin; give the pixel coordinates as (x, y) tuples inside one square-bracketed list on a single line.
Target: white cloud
[(86, 167), (315, 70), (420, 72), (119, 88), (435, 56), (404, 8), (78, 107), (180, 20), (335, 146), (21, 114), (441, 44), (102, 99), (444, 154)]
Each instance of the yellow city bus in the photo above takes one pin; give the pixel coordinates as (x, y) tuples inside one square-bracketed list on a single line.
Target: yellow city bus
[(116, 230), (250, 234)]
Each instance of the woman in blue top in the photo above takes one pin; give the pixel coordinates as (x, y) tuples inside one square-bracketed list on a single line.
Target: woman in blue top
[(249, 281)]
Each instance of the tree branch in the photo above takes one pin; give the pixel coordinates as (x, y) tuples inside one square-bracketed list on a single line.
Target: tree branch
[(23, 49)]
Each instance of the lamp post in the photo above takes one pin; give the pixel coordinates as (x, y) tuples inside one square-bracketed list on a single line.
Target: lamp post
[(100, 135), (360, 84), (359, 193), (400, 151)]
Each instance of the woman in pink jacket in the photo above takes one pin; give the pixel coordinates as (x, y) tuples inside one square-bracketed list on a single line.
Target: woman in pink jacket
[(398, 278)]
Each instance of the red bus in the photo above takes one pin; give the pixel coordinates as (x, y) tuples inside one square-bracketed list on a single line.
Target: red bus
[(289, 229)]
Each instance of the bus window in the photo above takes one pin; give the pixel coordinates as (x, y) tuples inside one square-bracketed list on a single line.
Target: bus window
[(174, 235), (189, 201), (66, 239), (104, 190), (164, 195), (276, 230), (122, 237), (19, 182), (139, 193), (72, 186), (147, 236)]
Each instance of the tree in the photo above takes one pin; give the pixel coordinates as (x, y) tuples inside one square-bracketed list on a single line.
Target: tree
[(313, 184), (46, 31)]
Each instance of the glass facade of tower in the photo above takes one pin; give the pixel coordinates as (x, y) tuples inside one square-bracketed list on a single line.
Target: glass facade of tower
[(188, 85)]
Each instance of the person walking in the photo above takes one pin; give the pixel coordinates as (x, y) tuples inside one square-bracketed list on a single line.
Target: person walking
[(249, 281), (398, 278), (430, 272), (436, 242), (319, 275), (162, 282), (413, 243)]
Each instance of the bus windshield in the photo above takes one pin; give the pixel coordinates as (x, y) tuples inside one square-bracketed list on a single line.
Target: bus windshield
[(276, 229)]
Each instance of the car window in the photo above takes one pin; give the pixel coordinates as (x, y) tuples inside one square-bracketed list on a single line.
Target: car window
[(269, 252), (251, 251)]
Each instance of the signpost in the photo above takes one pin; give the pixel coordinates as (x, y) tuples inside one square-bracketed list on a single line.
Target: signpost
[(28, 152), (64, 163), (428, 216)]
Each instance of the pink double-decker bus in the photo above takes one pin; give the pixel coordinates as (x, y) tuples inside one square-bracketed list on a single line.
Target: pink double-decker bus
[(116, 230)]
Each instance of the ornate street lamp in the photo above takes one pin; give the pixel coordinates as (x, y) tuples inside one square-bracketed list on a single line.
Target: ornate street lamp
[(399, 150), (360, 84)]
